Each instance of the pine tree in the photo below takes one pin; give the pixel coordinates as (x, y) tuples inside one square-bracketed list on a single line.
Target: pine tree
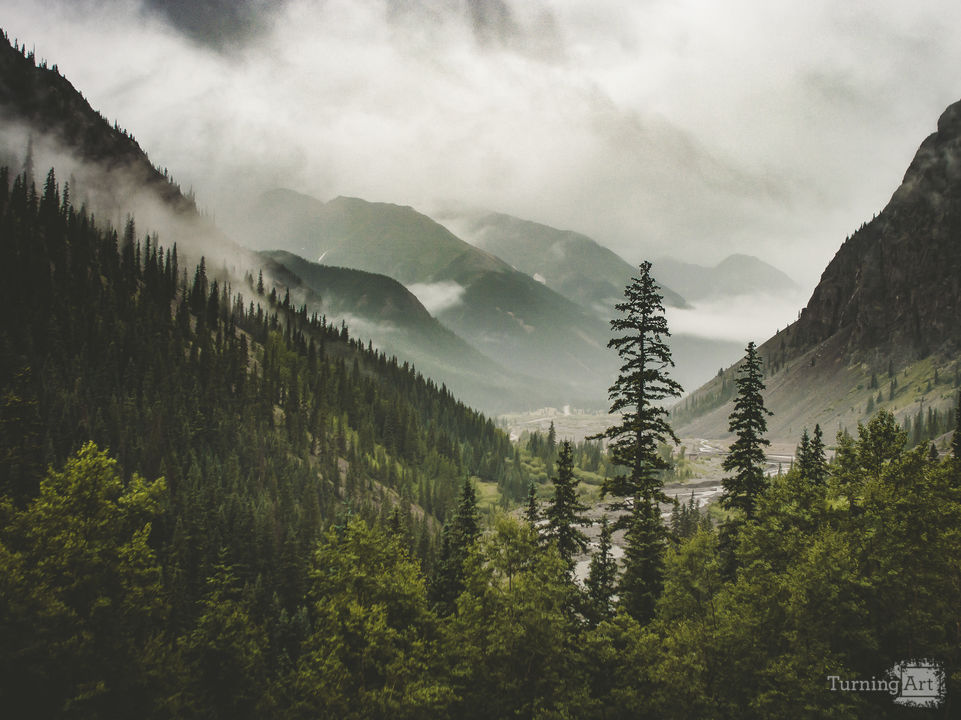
[(564, 511), (802, 454), (459, 536), (643, 381), (748, 423), (818, 470), (532, 513), (601, 581), (646, 540), (466, 526)]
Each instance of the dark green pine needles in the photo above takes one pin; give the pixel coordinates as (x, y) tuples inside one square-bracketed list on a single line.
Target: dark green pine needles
[(748, 422)]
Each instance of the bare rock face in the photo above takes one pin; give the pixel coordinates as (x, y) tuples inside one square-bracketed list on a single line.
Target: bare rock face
[(895, 285)]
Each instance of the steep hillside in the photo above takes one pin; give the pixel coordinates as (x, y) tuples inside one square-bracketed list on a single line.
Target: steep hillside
[(383, 238), (376, 306), (47, 123), (881, 328), (46, 105), (504, 313), (734, 275)]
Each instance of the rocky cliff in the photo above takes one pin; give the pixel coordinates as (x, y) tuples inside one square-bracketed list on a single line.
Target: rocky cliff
[(896, 283), (883, 326)]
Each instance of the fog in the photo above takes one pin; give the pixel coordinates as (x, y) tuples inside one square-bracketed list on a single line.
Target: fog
[(695, 129), (739, 318), (439, 296)]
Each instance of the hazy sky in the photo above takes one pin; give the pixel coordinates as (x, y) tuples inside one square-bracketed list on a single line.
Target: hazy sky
[(694, 129)]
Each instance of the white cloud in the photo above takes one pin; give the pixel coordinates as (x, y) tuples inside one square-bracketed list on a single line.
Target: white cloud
[(741, 318), (438, 297), (698, 128)]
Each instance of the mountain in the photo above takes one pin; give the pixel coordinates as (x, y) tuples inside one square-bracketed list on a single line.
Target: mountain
[(47, 123), (45, 107), (376, 306), (881, 327), (570, 263), (383, 238), (734, 275), (589, 274), (504, 313)]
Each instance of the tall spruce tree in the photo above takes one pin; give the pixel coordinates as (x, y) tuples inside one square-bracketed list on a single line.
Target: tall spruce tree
[(564, 511), (642, 382), (748, 423), (803, 452)]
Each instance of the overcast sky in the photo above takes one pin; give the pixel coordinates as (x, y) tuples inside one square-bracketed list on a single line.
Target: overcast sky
[(694, 129)]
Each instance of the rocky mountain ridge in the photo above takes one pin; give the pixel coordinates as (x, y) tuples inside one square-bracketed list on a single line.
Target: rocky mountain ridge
[(882, 326)]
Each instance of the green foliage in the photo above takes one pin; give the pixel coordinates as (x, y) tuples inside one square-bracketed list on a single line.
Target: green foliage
[(459, 537), (371, 651), (748, 423), (687, 518), (225, 653), (532, 512), (82, 608), (510, 642), (811, 459), (564, 512), (601, 584), (646, 541), (956, 437), (880, 442), (642, 383)]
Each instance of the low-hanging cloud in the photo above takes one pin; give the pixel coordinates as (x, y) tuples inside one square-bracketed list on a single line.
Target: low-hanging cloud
[(740, 318), (438, 297), (771, 128)]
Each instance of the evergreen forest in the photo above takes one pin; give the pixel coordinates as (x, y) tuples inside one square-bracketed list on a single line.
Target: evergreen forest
[(214, 504)]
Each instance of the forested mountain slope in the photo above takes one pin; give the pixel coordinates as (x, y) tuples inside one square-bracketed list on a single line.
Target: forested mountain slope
[(504, 313), (214, 504), (265, 423), (376, 306), (47, 123)]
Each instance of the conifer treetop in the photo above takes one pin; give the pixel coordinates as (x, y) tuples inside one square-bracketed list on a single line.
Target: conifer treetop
[(748, 421), (640, 338)]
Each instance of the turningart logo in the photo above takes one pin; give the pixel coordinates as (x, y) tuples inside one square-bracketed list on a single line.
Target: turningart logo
[(912, 683)]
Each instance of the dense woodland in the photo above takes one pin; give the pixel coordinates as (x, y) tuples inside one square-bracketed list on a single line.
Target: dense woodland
[(215, 505)]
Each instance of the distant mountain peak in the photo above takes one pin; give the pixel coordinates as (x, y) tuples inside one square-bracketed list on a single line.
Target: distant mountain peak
[(737, 274), (570, 263)]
